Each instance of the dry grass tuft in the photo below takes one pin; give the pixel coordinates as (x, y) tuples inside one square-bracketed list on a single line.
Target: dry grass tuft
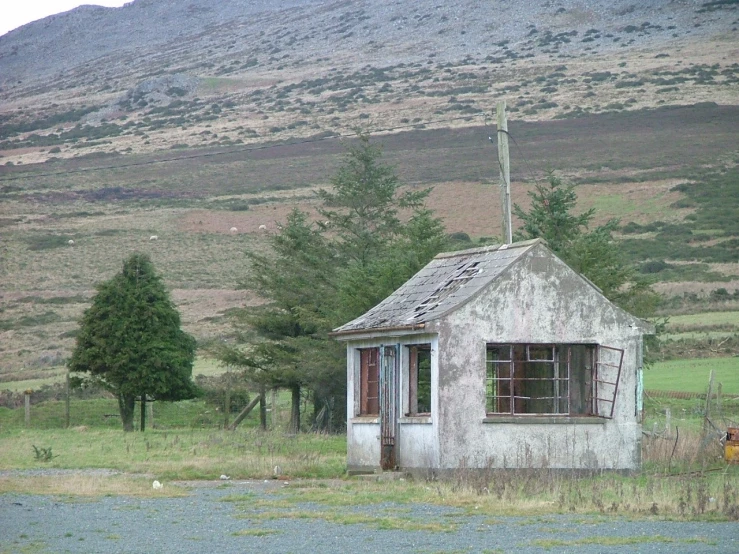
[(87, 486), (680, 449)]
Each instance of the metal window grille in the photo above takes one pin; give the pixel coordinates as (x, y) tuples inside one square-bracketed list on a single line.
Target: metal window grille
[(544, 379), (606, 379)]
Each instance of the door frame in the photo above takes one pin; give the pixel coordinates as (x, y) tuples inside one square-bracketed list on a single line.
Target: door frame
[(389, 405)]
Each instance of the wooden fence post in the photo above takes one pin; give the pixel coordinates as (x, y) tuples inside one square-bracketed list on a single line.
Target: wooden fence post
[(28, 407), (66, 401), (227, 402), (274, 415), (707, 413)]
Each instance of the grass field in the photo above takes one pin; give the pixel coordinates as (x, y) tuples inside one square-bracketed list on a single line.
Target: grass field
[(661, 488), (180, 454), (692, 375), (55, 375), (702, 336), (729, 318), (208, 367), (673, 477), (703, 326)]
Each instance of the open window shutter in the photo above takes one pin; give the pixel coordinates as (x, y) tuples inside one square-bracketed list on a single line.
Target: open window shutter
[(606, 379)]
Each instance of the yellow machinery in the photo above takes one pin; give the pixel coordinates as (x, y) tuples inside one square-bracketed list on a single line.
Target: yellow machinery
[(731, 446)]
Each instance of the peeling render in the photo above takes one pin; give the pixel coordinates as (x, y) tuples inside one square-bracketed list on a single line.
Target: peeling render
[(460, 305)]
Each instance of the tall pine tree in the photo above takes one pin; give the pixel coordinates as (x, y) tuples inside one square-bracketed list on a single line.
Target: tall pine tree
[(318, 276)]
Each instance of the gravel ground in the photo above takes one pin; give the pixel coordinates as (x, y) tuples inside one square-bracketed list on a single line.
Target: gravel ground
[(202, 522)]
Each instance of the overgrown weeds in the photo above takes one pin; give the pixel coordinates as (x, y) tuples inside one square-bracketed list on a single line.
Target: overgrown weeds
[(42, 454), (183, 454), (682, 477), (536, 492), (689, 481)]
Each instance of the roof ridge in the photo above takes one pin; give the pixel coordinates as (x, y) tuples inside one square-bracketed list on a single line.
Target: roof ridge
[(490, 248)]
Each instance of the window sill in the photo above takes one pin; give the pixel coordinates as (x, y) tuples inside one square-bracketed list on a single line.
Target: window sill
[(547, 420), (423, 419), (365, 419)]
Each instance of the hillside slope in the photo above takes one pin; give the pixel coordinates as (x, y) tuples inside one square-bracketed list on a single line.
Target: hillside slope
[(187, 119), (157, 73)]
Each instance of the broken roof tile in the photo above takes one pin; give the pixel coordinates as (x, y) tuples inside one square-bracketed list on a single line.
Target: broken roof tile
[(448, 281)]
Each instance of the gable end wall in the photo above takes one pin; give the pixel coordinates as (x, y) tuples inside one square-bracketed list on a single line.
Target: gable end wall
[(538, 300)]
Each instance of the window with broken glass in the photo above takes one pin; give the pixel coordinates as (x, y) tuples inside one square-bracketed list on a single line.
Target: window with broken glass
[(549, 379), (419, 380)]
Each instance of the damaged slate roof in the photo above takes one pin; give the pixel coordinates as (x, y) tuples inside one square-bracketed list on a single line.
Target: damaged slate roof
[(448, 281)]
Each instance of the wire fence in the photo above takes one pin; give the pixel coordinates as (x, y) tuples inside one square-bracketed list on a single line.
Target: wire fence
[(61, 406)]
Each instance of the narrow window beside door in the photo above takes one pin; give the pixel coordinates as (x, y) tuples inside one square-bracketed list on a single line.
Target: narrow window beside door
[(419, 380), (369, 378)]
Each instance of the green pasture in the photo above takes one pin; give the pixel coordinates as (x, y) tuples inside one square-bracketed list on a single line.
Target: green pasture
[(705, 326), (621, 207), (701, 336), (55, 375), (704, 319), (181, 454), (692, 375), (104, 413), (208, 367)]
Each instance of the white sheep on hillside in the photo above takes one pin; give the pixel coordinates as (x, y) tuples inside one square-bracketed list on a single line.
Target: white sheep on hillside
[(234, 230), (153, 237), (262, 227), (70, 242)]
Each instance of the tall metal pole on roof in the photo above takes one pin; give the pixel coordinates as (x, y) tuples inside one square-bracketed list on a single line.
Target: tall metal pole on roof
[(505, 171)]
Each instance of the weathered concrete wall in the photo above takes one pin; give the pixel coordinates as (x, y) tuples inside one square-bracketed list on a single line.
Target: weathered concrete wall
[(418, 444), (417, 437), (538, 300), (363, 445), (363, 434)]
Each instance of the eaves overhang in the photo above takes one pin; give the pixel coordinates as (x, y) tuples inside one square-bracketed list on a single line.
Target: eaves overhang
[(376, 330)]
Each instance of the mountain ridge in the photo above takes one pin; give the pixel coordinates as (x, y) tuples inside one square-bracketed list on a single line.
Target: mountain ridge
[(155, 75), (87, 32)]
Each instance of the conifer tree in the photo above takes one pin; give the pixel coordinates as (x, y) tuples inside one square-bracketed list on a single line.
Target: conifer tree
[(131, 343), (593, 253), (320, 275)]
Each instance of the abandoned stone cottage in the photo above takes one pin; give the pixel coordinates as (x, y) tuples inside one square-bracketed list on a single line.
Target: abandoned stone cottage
[(495, 357)]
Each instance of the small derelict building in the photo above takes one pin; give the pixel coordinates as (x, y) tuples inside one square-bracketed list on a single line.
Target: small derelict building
[(494, 357)]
